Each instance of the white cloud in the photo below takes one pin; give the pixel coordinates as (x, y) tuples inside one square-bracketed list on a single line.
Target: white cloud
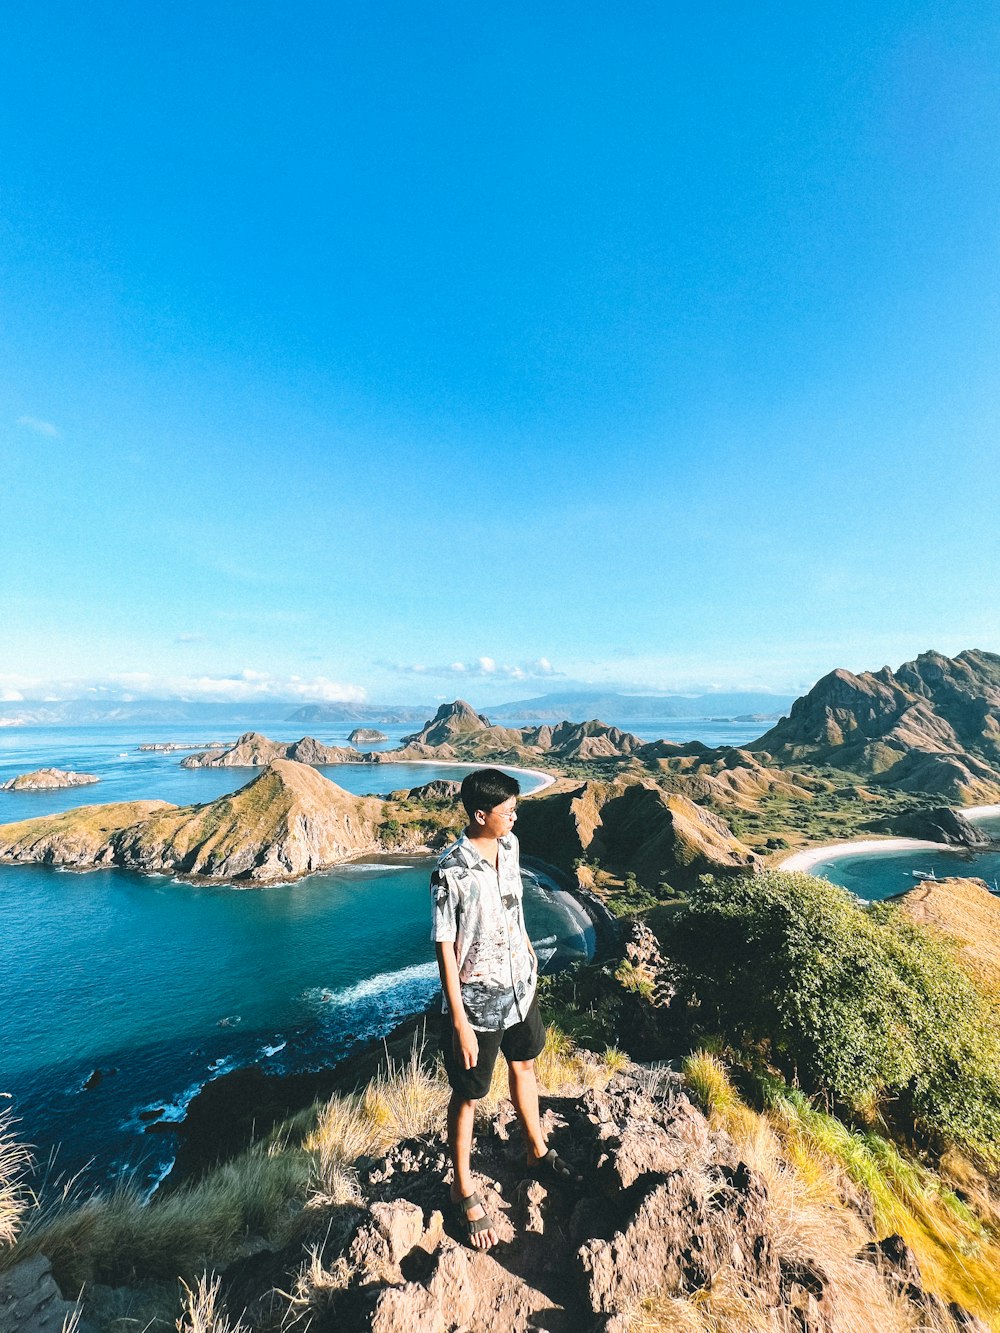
[(481, 668), (240, 687), (39, 427), (189, 638)]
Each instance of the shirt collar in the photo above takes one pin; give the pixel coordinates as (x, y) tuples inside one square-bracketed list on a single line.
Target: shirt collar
[(472, 854)]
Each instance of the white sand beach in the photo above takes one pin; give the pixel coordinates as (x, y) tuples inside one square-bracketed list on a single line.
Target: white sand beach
[(545, 779), (814, 856)]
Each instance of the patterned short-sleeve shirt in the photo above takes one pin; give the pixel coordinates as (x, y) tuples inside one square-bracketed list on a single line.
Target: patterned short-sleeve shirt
[(480, 907)]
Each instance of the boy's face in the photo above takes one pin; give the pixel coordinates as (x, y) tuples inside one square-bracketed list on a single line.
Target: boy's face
[(498, 822)]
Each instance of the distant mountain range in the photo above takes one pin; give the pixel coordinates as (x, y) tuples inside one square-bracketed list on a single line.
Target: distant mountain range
[(581, 705), (570, 706), (252, 713)]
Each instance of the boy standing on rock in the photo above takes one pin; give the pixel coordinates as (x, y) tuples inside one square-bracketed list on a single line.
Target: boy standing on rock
[(489, 973)]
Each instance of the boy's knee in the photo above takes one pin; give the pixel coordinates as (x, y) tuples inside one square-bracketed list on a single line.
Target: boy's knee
[(521, 1067)]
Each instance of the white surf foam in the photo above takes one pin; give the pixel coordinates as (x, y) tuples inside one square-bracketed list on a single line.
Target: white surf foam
[(418, 977)]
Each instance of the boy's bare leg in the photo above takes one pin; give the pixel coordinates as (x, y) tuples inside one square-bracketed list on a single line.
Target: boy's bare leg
[(461, 1118), (524, 1095)]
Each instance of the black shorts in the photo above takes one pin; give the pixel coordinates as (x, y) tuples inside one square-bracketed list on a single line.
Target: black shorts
[(523, 1041)]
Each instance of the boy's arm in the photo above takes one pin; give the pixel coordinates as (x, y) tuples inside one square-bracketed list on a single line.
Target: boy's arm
[(463, 1034)]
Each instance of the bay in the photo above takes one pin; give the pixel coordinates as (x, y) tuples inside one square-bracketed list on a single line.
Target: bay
[(121, 994)]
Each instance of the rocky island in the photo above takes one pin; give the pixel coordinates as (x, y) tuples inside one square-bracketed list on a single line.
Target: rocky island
[(366, 736), (252, 750), (48, 779)]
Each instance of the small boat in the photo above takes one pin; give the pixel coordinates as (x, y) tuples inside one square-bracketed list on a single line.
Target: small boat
[(924, 874)]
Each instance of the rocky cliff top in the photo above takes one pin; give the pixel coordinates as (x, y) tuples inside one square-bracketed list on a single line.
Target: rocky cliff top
[(670, 1207)]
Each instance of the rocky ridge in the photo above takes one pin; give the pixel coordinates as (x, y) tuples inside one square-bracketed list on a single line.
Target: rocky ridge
[(932, 726), (457, 731), (669, 1205), (47, 779), (252, 750), (288, 821)]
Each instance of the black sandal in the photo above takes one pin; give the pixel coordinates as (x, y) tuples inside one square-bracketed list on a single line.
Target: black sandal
[(554, 1167), (472, 1226)]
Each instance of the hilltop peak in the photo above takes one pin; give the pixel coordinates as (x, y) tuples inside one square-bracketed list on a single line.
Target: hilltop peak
[(451, 720)]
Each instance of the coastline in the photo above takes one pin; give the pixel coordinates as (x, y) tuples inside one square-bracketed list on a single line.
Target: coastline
[(228, 1111), (546, 779), (809, 857)]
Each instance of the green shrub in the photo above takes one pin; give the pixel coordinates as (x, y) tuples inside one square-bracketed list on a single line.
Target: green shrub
[(390, 833), (858, 1003)]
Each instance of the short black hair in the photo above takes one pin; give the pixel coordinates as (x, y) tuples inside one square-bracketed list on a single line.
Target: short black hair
[(486, 789)]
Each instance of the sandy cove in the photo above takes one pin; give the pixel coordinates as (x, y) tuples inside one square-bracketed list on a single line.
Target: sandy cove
[(809, 857), (814, 856), (545, 779)]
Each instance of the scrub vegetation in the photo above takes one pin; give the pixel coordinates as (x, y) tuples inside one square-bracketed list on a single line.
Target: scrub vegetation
[(857, 1004)]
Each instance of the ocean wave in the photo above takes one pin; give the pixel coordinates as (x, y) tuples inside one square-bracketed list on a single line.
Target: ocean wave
[(279, 1045), (418, 976), (366, 866)]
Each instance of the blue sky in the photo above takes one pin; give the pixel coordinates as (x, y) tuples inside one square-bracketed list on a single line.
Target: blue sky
[(405, 351)]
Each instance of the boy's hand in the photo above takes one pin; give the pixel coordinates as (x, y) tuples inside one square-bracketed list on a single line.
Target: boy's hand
[(466, 1046)]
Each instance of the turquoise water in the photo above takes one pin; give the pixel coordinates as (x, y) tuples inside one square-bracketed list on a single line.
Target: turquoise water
[(884, 874), (162, 985)]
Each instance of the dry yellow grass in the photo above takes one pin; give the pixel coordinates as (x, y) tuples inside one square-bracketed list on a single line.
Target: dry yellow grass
[(15, 1198), (200, 1309), (810, 1160), (404, 1100), (967, 913)]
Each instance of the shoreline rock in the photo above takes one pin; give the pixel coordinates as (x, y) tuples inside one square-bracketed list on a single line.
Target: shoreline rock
[(48, 779), (941, 824), (363, 735)]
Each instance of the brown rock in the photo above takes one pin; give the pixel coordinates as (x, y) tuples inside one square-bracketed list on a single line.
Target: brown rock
[(401, 1224), (409, 1309), (531, 1195), (452, 1286)]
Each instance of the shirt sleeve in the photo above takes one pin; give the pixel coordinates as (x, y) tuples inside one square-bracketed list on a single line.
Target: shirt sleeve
[(444, 907)]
